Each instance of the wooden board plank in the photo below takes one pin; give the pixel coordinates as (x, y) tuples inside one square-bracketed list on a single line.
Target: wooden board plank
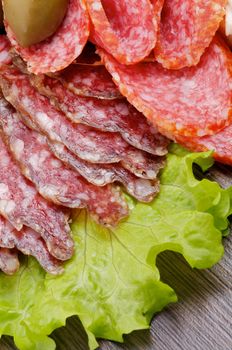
[(202, 320)]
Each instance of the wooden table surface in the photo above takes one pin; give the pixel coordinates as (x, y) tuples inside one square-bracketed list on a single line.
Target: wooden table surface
[(201, 320)]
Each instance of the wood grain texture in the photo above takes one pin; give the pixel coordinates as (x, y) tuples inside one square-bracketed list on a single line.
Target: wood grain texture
[(201, 320)]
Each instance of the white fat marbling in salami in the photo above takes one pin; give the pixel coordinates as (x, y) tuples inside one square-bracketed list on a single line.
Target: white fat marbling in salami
[(113, 116), (6, 233), (9, 262), (220, 143), (87, 143), (5, 57), (142, 189), (60, 50), (21, 204), (126, 29), (52, 178), (29, 242), (191, 102), (186, 30), (89, 80)]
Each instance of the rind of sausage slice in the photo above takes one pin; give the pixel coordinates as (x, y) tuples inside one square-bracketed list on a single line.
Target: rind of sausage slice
[(29, 242), (53, 180), (87, 143), (191, 102), (63, 47), (111, 116), (126, 29), (21, 204), (143, 190), (92, 81), (186, 30), (5, 46), (9, 262), (220, 143)]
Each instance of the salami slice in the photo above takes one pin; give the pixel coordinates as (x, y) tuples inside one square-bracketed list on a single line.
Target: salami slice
[(186, 31), (113, 116), (221, 143), (6, 234), (100, 175), (5, 57), (92, 81), (28, 242), (191, 102), (126, 29), (87, 143), (53, 179), (63, 47), (21, 204), (9, 262)]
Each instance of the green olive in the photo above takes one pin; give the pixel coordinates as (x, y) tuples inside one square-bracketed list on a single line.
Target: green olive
[(34, 20)]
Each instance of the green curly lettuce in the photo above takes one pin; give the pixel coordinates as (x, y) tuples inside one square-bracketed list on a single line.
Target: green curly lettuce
[(112, 283)]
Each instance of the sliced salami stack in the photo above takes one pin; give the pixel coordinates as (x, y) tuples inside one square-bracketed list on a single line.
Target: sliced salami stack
[(191, 105), (82, 123), (68, 144)]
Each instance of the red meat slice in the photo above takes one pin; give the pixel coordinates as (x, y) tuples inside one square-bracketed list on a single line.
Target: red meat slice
[(28, 242), (191, 102), (63, 47), (87, 143), (6, 234), (142, 189), (126, 29), (186, 30), (53, 180), (9, 262), (113, 116), (89, 80), (5, 57), (21, 204), (221, 143)]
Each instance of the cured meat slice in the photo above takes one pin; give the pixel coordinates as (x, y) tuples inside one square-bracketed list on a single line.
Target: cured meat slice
[(5, 57), (28, 242), (21, 204), (126, 29), (186, 30), (221, 143), (113, 116), (87, 143), (9, 262), (92, 81), (143, 165), (6, 234), (100, 175), (193, 101), (63, 47), (53, 179)]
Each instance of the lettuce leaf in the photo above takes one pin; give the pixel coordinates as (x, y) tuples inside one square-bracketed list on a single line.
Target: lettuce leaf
[(112, 282)]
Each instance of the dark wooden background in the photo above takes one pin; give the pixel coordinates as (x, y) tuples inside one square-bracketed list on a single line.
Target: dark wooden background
[(202, 320)]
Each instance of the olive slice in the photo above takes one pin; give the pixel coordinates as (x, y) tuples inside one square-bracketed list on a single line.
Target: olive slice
[(34, 20)]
